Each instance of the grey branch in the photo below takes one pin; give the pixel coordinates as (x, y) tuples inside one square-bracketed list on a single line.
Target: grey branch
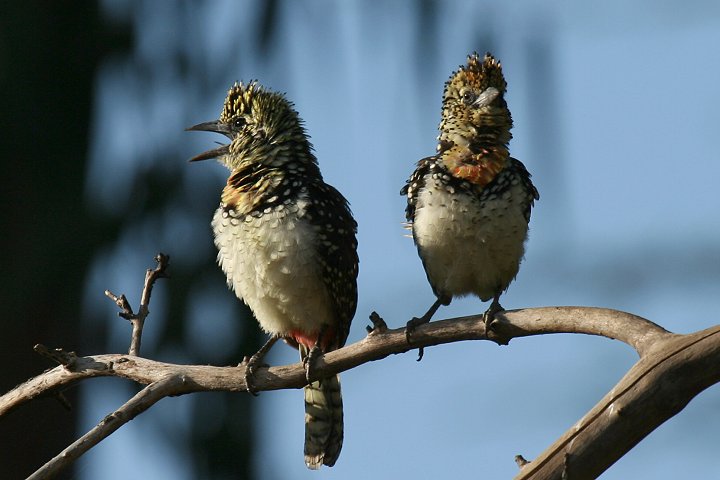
[(146, 398), (672, 370), (137, 320)]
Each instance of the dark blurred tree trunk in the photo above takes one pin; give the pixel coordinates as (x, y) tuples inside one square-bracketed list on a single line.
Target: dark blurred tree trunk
[(50, 52), (48, 55)]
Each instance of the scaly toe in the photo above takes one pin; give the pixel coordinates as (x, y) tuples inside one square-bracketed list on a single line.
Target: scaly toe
[(251, 365), (410, 328)]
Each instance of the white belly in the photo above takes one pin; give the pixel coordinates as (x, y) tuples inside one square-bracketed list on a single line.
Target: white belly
[(271, 264), (466, 248)]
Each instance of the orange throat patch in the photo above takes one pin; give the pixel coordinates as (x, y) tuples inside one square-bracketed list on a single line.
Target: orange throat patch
[(239, 199), (477, 168), (245, 189)]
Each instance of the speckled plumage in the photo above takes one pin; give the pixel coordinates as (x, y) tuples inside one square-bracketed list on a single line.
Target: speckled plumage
[(469, 205), (287, 243)]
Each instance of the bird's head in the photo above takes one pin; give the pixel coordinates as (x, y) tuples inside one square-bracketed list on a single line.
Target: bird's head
[(262, 126), (474, 108)]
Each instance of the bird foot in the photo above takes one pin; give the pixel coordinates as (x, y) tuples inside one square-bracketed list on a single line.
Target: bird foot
[(310, 362), (410, 328), (489, 319), (251, 364), (416, 322), (489, 315)]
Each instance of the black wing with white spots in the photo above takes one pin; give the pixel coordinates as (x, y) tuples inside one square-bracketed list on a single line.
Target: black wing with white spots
[(336, 247)]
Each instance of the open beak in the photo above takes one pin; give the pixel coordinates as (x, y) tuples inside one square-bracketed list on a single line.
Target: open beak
[(486, 97), (217, 127)]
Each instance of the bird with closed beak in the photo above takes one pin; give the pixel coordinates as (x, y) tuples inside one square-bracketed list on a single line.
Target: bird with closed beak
[(468, 206)]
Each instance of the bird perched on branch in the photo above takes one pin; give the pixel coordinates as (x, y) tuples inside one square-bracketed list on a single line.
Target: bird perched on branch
[(468, 206), (287, 244)]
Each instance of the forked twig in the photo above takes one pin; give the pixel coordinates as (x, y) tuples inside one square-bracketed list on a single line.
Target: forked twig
[(138, 319)]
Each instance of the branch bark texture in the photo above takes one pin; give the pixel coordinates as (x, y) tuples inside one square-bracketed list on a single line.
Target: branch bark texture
[(672, 370)]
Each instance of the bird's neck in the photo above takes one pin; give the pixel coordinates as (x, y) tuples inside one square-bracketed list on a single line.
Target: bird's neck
[(279, 173)]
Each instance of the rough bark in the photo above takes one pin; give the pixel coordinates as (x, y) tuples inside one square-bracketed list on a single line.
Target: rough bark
[(672, 370)]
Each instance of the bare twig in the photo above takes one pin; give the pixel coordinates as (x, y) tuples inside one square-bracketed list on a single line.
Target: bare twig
[(58, 355), (126, 311), (379, 325), (138, 320)]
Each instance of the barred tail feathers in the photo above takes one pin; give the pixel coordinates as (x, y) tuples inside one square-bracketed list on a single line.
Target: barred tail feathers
[(323, 421)]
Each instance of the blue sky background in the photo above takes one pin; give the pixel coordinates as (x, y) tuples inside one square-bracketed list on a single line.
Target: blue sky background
[(616, 113)]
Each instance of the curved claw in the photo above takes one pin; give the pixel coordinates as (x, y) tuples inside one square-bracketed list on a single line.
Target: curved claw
[(489, 315), (256, 361), (249, 374), (488, 319), (410, 328), (416, 322), (250, 365)]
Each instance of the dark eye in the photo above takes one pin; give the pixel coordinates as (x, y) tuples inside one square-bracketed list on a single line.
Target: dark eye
[(239, 122), (468, 97)]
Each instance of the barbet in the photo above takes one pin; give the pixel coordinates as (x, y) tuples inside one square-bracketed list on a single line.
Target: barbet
[(468, 206), (287, 244)]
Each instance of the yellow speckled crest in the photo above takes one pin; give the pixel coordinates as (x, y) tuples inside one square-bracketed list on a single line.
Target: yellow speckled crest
[(239, 100), (257, 121), (268, 107), (477, 75)]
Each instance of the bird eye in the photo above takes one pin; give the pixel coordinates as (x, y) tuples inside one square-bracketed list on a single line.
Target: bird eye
[(468, 97), (239, 122)]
